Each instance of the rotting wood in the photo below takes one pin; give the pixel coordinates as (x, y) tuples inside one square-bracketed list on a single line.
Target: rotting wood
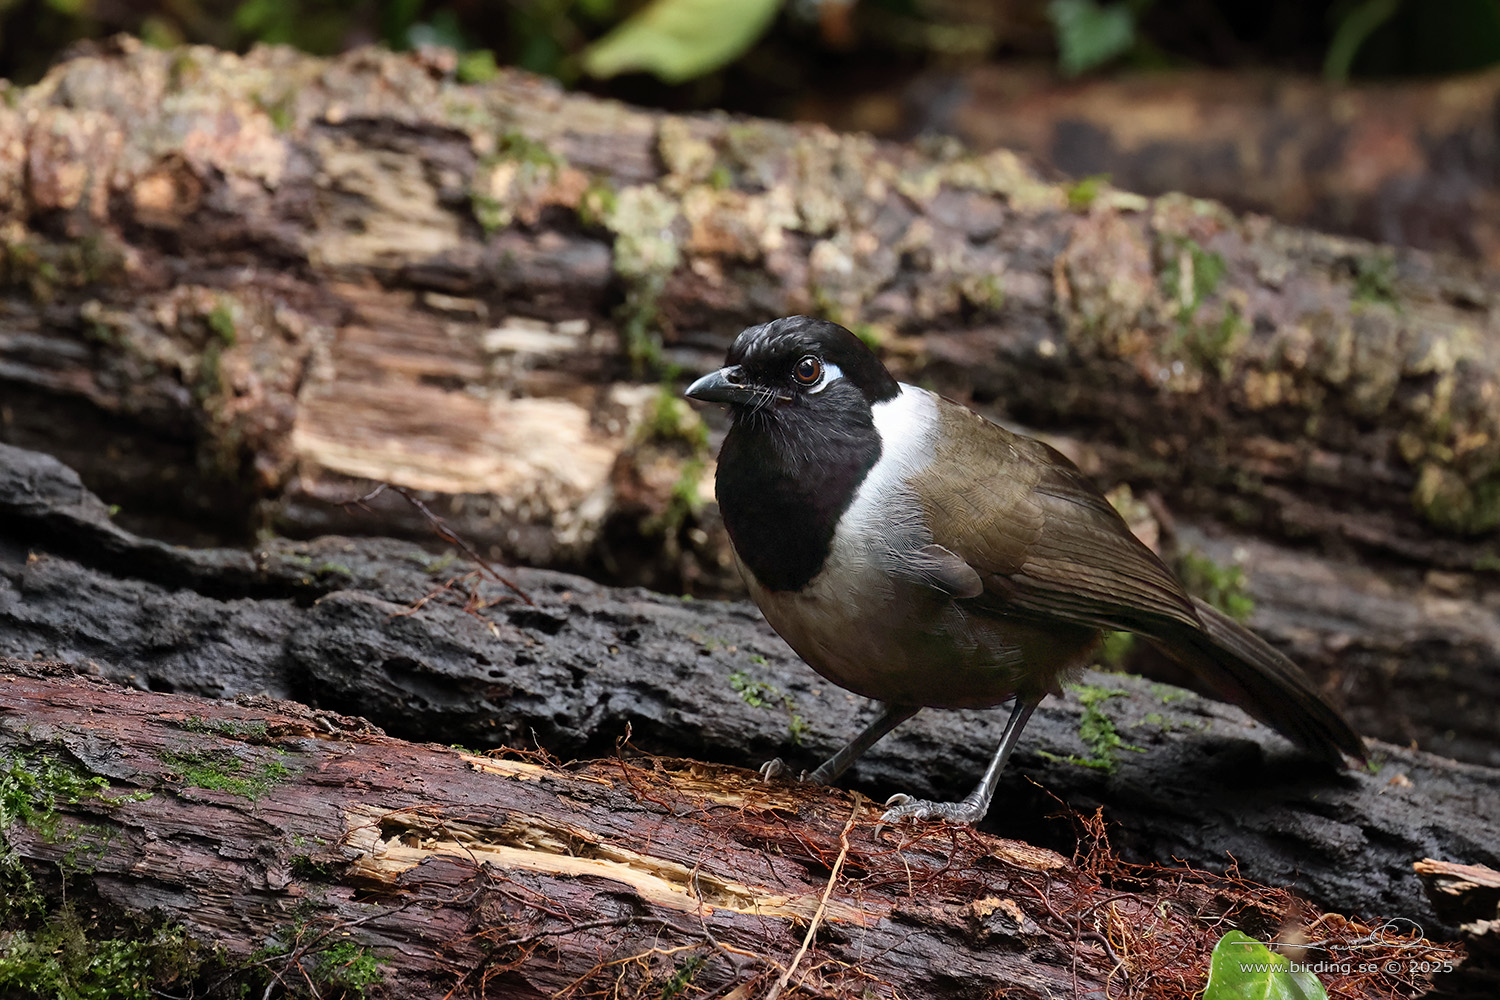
[(409, 640), (1468, 895), (456, 872)]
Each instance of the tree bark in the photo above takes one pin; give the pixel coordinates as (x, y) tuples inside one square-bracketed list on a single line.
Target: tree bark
[(382, 629), (262, 822), (253, 283), (236, 290)]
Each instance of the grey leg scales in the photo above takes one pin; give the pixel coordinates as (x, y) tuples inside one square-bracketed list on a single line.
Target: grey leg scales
[(831, 769), (976, 803)]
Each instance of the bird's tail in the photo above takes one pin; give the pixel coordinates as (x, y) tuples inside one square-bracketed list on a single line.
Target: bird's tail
[(1235, 665)]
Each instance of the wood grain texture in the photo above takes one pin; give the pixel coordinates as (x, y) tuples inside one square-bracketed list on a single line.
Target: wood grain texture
[(499, 876)]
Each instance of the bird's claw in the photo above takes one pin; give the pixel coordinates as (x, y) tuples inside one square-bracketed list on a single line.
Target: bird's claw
[(776, 768), (904, 807)]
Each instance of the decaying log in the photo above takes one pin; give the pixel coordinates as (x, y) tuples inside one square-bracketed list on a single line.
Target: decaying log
[(1467, 895), (237, 287), (1407, 162), (275, 833), (385, 630)]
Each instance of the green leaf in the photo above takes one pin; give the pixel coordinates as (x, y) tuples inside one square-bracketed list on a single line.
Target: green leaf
[(681, 39), (1244, 969), (1089, 35), (1354, 30)]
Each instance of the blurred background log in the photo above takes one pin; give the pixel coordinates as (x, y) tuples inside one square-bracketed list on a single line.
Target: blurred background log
[(1408, 162), (237, 290), (253, 280)]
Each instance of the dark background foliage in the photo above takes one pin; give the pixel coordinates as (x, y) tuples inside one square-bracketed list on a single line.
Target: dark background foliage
[(825, 47)]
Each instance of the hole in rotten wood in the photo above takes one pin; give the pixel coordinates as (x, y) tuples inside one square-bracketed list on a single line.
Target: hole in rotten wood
[(537, 619)]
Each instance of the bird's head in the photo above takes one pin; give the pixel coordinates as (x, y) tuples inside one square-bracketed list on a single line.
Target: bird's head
[(797, 365)]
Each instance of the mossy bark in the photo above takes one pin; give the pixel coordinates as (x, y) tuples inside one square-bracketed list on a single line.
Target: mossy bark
[(235, 288)]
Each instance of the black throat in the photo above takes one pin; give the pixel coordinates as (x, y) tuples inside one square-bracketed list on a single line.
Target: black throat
[(785, 478)]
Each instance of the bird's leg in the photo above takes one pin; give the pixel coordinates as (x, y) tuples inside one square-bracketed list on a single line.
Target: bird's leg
[(976, 803), (889, 718)]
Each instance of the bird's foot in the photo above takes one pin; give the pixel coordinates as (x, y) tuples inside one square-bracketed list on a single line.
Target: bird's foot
[(903, 807), (776, 768)]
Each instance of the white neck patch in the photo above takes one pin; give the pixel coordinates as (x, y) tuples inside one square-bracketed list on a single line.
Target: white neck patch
[(908, 427)]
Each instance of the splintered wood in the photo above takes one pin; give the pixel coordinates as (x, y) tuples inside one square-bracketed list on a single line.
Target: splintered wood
[(513, 875)]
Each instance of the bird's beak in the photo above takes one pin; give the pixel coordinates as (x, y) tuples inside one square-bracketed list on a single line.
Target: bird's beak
[(726, 385)]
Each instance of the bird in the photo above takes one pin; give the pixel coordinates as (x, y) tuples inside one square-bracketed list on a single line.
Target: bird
[(914, 552)]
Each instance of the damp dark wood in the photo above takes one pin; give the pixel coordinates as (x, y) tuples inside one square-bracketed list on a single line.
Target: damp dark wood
[(388, 631)]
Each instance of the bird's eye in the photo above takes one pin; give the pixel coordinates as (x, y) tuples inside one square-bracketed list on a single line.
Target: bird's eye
[(808, 370)]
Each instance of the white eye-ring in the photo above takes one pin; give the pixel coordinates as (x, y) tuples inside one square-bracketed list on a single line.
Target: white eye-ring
[(830, 372)]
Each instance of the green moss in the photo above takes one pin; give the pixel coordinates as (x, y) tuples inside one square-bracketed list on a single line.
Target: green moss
[(683, 503), (490, 212), (646, 253), (223, 772), (1097, 731), (872, 336), (668, 418), (522, 149), (1447, 501), (1168, 694), (65, 951), (44, 267), (984, 291), (1375, 280), (537, 165), (756, 694), (598, 202), (477, 66), (435, 565), (1190, 275), (32, 789), (71, 958), (1083, 193), (682, 978), (1222, 586), (221, 321), (1167, 724), (281, 111), (1210, 343), (296, 950), (253, 730), (720, 178), (826, 305), (760, 694), (639, 325), (305, 866), (349, 967)]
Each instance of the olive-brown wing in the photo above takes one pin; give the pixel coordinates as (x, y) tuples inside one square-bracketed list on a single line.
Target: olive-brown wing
[(1043, 539)]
